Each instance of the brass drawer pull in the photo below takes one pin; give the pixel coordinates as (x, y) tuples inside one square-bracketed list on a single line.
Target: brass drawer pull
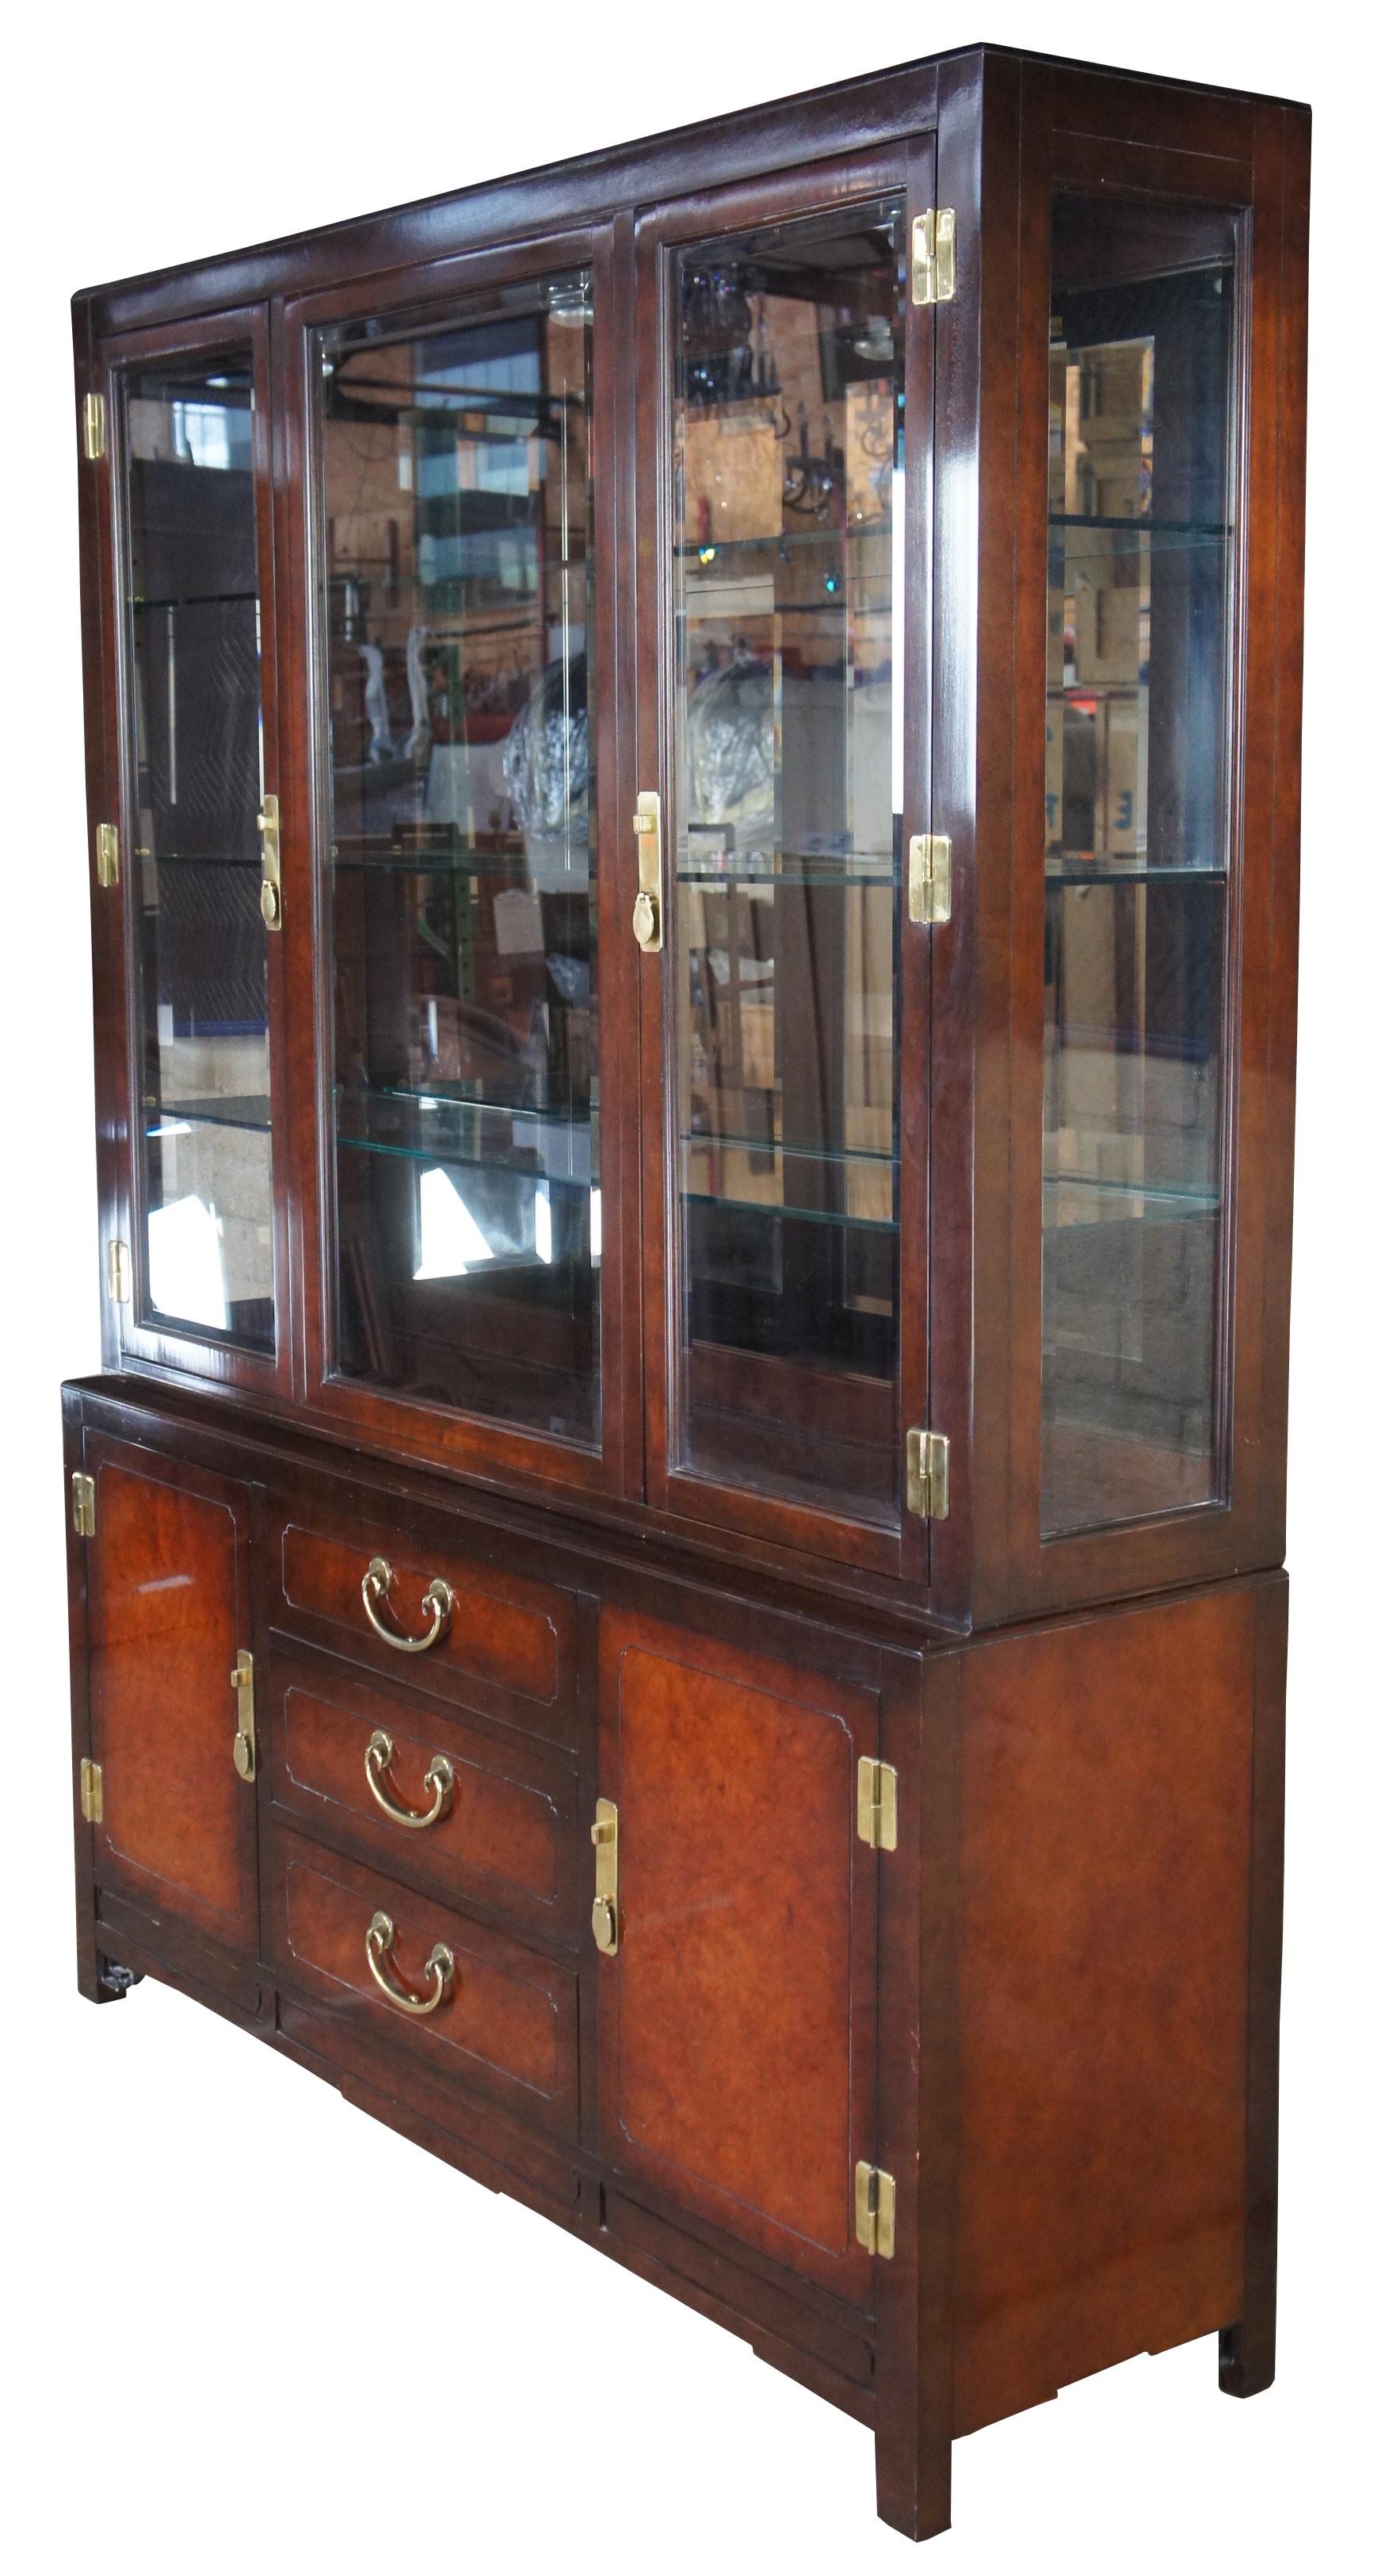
[(437, 1601), (438, 1777), (441, 1967)]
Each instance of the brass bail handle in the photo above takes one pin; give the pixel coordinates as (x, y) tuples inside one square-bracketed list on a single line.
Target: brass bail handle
[(437, 1601), (438, 1777), (441, 1968)]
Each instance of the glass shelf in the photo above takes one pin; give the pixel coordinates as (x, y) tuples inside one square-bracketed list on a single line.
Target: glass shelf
[(200, 599), (874, 870), (1078, 872), (874, 1157), (250, 1112), (791, 538), (1168, 1199), (470, 863), (198, 859), (429, 1127), (1147, 525), (561, 1111), (782, 1215)]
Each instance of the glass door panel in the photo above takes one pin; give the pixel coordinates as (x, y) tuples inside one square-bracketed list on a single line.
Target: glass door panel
[(1142, 473), (456, 621), (191, 608), (787, 789)]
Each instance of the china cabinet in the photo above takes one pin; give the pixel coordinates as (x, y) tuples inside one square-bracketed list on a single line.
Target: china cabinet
[(675, 1566)]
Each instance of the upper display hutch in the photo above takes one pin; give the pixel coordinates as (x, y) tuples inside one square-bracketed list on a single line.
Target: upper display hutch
[(693, 779), (672, 522)]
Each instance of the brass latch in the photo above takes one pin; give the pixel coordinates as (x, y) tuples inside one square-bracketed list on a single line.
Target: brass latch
[(93, 1804), (94, 427), (83, 1504), (118, 1271), (606, 1902), (875, 2211), (925, 1474), (935, 256), (107, 855), (649, 902), (930, 878), (271, 887), (877, 1804), (243, 1684)]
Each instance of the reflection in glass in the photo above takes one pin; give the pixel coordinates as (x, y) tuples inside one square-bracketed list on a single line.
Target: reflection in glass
[(1141, 478), (193, 629), (455, 501), (788, 774)]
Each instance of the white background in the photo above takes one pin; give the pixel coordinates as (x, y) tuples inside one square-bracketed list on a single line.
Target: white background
[(245, 2325)]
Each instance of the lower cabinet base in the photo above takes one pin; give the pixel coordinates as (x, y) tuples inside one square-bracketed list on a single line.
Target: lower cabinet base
[(906, 2004)]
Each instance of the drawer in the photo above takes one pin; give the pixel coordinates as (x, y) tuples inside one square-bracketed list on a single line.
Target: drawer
[(461, 2001), (420, 1790), (422, 1607)]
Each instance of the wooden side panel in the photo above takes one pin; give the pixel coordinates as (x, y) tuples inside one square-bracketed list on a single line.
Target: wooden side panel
[(1103, 1967), (737, 2018), (169, 1607)]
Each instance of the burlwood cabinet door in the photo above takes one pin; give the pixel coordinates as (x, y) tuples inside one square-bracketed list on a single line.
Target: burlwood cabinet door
[(737, 2010), (169, 1614)]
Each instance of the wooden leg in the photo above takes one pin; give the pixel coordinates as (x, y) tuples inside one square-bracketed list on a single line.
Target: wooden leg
[(913, 2481), (1246, 2359)]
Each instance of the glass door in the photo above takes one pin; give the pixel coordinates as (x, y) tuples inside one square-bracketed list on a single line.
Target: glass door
[(461, 660), (789, 460), (198, 847)]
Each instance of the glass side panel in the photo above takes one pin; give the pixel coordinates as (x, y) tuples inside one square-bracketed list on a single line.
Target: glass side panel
[(192, 609), (1142, 380), (787, 544), (456, 616)]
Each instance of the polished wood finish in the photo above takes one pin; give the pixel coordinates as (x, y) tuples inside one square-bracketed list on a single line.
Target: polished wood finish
[(1050, 2012), (505, 1839), (512, 1639), (737, 2067), (509, 2026), (169, 1608)]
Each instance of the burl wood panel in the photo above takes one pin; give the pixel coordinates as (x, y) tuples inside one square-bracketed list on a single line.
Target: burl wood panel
[(168, 1612), (510, 2023), (503, 1630), (737, 2018), (498, 1840), (1102, 1966)]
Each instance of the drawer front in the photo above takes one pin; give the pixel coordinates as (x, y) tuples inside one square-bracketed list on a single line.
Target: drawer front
[(421, 1791), (423, 1610), (501, 2018)]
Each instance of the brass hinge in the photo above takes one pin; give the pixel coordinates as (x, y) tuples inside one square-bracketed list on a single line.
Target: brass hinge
[(83, 1504), (606, 1901), (93, 1807), (118, 1271), (243, 1684), (875, 2211), (930, 878), (94, 427), (107, 855), (877, 1804), (925, 1474), (935, 256)]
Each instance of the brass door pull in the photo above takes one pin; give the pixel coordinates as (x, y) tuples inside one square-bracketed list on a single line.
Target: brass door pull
[(649, 902), (606, 1901), (437, 1601), (441, 1967), (438, 1777), (271, 887)]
